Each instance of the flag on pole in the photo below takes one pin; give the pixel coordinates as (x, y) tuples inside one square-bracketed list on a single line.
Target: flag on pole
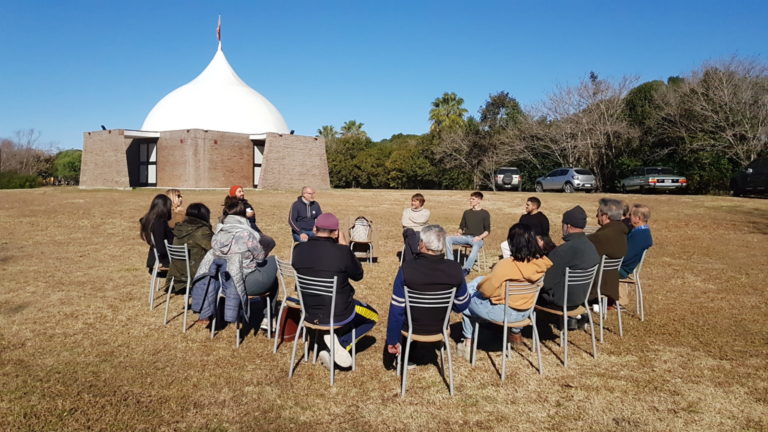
[(218, 30)]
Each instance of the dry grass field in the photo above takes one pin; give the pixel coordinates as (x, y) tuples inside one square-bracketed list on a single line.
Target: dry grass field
[(80, 349)]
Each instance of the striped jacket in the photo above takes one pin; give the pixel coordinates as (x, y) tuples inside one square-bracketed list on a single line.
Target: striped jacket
[(426, 273)]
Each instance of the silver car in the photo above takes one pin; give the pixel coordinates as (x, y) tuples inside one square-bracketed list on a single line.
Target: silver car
[(653, 178), (567, 180)]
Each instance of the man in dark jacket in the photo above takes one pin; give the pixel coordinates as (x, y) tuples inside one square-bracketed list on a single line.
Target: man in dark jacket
[(429, 271), (577, 253), (303, 213), (610, 240), (326, 255)]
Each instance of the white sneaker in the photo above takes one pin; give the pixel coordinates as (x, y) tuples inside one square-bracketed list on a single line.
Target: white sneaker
[(325, 359), (342, 357), (464, 350)]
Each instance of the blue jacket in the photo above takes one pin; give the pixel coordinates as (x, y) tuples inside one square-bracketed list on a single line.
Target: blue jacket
[(303, 215), (206, 288), (638, 240)]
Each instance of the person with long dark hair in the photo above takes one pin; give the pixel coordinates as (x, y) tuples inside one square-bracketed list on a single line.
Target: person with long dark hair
[(154, 225), (195, 231), (527, 263)]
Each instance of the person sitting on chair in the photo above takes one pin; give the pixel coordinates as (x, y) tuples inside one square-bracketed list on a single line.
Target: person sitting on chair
[(195, 231), (414, 219), (609, 240), (428, 271), (154, 225), (267, 242), (303, 213), (475, 226), (177, 211), (526, 263), (638, 240), (325, 255), (534, 218)]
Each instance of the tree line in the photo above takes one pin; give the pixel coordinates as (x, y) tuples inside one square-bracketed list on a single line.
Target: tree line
[(707, 125), (25, 163)]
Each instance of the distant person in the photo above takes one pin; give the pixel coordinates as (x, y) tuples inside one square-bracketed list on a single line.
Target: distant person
[(195, 231), (177, 209), (154, 225), (609, 240), (267, 242), (327, 255), (303, 213), (527, 263), (577, 253), (625, 219), (638, 240), (474, 227), (534, 218), (428, 271), (414, 219)]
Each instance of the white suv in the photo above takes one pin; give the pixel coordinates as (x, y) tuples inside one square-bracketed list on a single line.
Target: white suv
[(508, 178)]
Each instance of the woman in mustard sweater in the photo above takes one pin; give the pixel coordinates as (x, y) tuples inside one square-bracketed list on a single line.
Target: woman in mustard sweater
[(527, 263)]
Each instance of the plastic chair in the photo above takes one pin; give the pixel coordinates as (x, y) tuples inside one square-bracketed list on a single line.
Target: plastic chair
[(607, 265), (634, 279), (284, 271), (574, 278), (307, 285), (178, 253), (154, 285), (515, 289), (420, 299)]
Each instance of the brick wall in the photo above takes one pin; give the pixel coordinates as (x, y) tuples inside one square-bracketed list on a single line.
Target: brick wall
[(293, 161), (104, 162)]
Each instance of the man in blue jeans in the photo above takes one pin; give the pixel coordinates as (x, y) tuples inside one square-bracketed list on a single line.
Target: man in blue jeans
[(475, 226)]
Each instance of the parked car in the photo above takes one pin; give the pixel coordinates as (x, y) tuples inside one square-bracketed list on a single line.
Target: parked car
[(567, 180), (653, 178), (753, 180), (508, 178)]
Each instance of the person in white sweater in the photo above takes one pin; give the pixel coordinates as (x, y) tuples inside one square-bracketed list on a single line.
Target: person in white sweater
[(414, 219)]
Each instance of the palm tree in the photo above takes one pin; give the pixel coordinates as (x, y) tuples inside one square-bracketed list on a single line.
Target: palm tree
[(447, 112), (328, 133), (353, 128)]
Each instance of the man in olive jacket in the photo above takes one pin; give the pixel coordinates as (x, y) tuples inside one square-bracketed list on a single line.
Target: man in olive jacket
[(577, 253), (610, 240)]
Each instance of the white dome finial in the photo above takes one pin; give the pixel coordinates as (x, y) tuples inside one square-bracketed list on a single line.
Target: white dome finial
[(218, 31)]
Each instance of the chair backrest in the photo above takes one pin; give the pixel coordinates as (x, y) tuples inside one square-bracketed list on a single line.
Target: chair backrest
[(361, 230), (607, 265), (154, 250), (180, 252), (574, 278), (433, 299), (284, 271), (308, 285), (639, 267), (527, 289)]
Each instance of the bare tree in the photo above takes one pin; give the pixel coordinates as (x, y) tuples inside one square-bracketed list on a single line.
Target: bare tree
[(24, 154), (722, 107)]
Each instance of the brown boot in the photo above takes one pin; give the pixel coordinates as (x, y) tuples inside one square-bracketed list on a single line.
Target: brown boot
[(515, 338)]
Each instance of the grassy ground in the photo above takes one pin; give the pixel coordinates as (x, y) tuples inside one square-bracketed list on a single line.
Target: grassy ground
[(79, 349)]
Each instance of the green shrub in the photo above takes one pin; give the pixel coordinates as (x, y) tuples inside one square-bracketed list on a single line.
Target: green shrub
[(10, 180)]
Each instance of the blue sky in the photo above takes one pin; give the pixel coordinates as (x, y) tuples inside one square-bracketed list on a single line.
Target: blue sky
[(70, 66)]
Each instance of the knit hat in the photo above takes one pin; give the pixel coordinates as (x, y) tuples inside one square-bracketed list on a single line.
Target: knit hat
[(575, 217), (234, 189), (327, 221)]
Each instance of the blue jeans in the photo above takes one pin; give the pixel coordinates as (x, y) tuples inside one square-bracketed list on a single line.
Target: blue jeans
[(463, 240), (481, 309), (298, 239)]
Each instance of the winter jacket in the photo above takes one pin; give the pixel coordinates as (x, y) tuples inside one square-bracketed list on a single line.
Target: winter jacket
[(160, 232), (234, 235), (578, 253), (638, 240), (415, 219), (302, 216), (196, 234), (322, 257), (493, 286), (216, 275), (610, 240)]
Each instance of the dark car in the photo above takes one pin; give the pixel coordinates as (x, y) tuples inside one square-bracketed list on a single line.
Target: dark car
[(753, 180)]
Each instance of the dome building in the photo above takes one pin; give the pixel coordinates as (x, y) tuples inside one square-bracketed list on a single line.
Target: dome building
[(213, 132)]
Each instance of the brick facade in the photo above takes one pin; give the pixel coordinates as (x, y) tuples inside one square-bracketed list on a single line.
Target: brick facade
[(197, 158)]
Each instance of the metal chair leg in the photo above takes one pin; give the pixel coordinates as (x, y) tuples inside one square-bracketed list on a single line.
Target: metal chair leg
[(450, 362), (405, 368), (167, 302)]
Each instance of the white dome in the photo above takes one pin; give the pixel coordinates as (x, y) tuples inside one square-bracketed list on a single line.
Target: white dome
[(216, 100)]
